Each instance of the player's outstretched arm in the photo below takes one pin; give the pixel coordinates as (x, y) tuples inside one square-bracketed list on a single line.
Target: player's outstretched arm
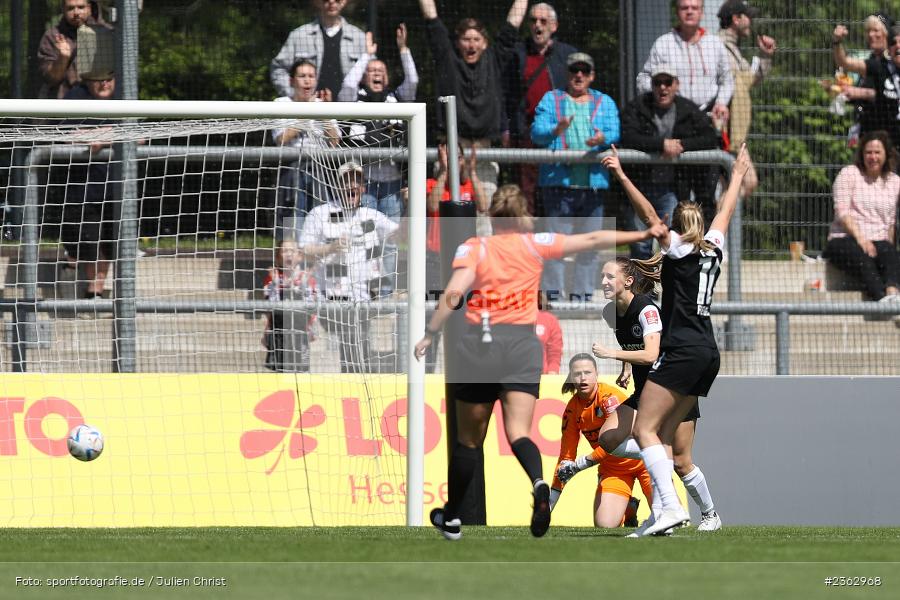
[(597, 240), (452, 298), (730, 198), (640, 203)]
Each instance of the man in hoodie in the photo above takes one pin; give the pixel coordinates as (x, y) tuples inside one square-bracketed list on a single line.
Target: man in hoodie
[(705, 77), (701, 59)]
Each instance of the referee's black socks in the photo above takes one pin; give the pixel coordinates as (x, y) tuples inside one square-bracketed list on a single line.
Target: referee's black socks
[(529, 457), (463, 463)]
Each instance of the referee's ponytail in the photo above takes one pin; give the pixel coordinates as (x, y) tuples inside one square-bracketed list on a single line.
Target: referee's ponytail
[(569, 386)]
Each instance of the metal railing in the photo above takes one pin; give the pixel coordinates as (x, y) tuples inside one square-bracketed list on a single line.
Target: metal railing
[(25, 188)]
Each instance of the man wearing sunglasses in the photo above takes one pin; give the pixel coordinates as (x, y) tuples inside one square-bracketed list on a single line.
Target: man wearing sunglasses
[(662, 122), (577, 118)]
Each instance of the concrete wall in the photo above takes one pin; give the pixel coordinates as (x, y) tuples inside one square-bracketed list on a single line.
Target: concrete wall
[(802, 450)]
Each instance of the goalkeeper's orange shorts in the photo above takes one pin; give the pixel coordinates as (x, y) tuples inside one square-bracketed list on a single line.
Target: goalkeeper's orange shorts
[(623, 483)]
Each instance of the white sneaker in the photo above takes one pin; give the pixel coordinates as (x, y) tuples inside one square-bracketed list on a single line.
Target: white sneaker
[(710, 522), (669, 519), (642, 530)]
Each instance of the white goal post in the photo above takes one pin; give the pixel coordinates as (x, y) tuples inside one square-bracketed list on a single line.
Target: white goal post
[(36, 113)]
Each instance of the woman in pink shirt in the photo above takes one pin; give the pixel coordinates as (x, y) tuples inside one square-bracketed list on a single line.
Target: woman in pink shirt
[(861, 241)]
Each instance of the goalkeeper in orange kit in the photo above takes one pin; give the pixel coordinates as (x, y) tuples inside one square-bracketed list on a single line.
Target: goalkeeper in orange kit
[(585, 414)]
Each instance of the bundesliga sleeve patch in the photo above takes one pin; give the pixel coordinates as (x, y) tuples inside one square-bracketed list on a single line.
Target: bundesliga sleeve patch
[(608, 404), (716, 237), (650, 320), (544, 239), (462, 251)]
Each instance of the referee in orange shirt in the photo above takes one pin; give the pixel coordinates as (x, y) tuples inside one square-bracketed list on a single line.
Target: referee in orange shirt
[(497, 279)]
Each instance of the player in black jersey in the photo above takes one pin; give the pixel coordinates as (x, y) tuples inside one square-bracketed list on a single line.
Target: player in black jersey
[(635, 317), (688, 267)]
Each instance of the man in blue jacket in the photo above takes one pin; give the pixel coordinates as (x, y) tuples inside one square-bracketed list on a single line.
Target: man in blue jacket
[(577, 118)]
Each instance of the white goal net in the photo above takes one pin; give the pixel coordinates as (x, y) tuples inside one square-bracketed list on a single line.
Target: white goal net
[(222, 289)]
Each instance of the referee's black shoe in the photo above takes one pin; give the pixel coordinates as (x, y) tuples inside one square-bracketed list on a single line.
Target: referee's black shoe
[(540, 513), (452, 529)]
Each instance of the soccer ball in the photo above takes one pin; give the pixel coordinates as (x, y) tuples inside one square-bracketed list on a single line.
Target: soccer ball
[(85, 443)]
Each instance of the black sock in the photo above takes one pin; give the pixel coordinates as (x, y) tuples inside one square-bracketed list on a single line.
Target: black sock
[(91, 295), (462, 467), (529, 457)]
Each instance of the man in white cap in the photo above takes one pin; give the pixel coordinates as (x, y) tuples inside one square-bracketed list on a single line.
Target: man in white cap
[(349, 241), (663, 122)]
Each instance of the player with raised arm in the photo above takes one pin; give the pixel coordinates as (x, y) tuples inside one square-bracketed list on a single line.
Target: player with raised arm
[(591, 403), (689, 357), (499, 352)]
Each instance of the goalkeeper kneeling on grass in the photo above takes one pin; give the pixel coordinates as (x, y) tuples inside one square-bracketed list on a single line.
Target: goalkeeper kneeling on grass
[(591, 403)]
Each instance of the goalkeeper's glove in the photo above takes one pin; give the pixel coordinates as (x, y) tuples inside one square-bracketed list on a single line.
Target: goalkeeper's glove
[(568, 468), (554, 497)]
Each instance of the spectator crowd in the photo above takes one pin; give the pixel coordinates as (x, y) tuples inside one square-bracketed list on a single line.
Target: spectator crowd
[(531, 89)]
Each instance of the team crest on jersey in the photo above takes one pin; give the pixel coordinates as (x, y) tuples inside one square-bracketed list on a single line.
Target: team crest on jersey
[(462, 251), (539, 330), (544, 239), (636, 330)]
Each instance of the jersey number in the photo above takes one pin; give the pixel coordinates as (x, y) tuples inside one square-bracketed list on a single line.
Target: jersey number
[(709, 266)]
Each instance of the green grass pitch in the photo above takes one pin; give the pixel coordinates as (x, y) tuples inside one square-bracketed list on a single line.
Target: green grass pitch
[(489, 562)]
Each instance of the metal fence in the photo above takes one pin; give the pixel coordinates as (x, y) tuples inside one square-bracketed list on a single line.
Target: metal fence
[(762, 327), (797, 141)]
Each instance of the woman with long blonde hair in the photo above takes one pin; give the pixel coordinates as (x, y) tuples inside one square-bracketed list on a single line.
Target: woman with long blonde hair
[(688, 267)]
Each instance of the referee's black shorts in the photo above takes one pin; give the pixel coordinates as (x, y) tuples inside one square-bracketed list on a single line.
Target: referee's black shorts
[(512, 361), (687, 370)]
